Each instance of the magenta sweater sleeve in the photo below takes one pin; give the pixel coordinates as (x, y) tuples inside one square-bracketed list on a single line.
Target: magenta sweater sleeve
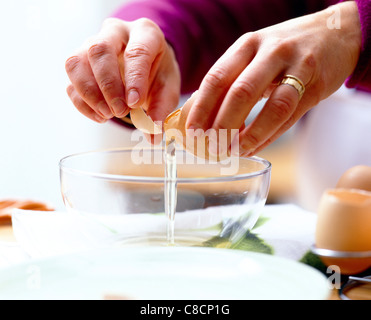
[(201, 31), (361, 77)]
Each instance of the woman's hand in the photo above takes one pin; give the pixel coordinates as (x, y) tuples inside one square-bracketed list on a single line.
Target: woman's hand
[(307, 47), (150, 75)]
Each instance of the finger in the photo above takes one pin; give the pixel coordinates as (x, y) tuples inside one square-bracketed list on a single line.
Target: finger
[(299, 112), (246, 91), (82, 106), (145, 45), (218, 80), (281, 111), (164, 98), (83, 81), (277, 111), (162, 101), (103, 54), (155, 139), (269, 90)]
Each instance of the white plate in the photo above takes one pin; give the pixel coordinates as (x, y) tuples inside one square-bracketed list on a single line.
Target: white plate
[(172, 273)]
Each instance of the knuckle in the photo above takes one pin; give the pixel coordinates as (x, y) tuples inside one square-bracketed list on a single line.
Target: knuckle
[(308, 66), (135, 74), (221, 126), (70, 89), (87, 90), (243, 90), (137, 50), (250, 138), (282, 108), (107, 84), (282, 48), (216, 79), (72, 64), (98, 50), (245, 37), (145, 22), (110, 21), (249, 40), (309, 61), (150, 26)]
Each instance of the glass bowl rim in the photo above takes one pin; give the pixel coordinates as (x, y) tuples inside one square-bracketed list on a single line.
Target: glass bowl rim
[(147, 179)]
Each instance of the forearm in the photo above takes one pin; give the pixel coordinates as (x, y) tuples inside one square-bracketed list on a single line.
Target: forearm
[(201, 31)]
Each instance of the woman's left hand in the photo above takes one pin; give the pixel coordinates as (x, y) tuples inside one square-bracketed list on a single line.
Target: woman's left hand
[(312, 48)]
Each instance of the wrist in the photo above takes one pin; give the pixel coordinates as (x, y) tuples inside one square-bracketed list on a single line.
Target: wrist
[(361, 77), (343, 20)]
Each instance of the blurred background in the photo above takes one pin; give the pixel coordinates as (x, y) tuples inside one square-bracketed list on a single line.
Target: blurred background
[(39, 125)]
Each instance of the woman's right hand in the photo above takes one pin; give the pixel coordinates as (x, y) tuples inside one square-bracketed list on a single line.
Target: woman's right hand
[(126, 65)]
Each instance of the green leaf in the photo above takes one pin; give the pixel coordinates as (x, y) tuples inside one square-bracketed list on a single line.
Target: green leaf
[(314, 261), (251, 242), (261, 221)]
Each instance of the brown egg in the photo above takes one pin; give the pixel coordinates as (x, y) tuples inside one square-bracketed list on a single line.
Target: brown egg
[(344, 220), (7, 206), (344, 225), (358, 177)]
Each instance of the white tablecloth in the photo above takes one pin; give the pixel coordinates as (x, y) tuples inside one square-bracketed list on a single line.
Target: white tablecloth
[(286, 230)]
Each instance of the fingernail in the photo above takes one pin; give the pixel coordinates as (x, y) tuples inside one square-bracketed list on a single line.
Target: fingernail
[(133, 97), (104, 110), (119, 107), (99, 119), (123, 114)]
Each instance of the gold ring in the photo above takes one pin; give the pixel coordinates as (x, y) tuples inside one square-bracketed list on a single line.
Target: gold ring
[(295, 83)]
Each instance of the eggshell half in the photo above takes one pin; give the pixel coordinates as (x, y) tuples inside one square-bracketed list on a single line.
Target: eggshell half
[(7, 206), (344, 224), (175, 127), (143, 122)]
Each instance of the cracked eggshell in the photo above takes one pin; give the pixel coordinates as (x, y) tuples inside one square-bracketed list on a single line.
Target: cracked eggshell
[(344, 224), (175, 127), (143, 122)]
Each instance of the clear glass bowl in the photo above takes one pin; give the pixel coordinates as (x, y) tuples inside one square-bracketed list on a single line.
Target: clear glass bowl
[(123, 190)]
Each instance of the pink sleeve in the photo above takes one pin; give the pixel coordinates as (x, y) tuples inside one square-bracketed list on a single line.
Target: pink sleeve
[(201, 31), (361, 78)]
